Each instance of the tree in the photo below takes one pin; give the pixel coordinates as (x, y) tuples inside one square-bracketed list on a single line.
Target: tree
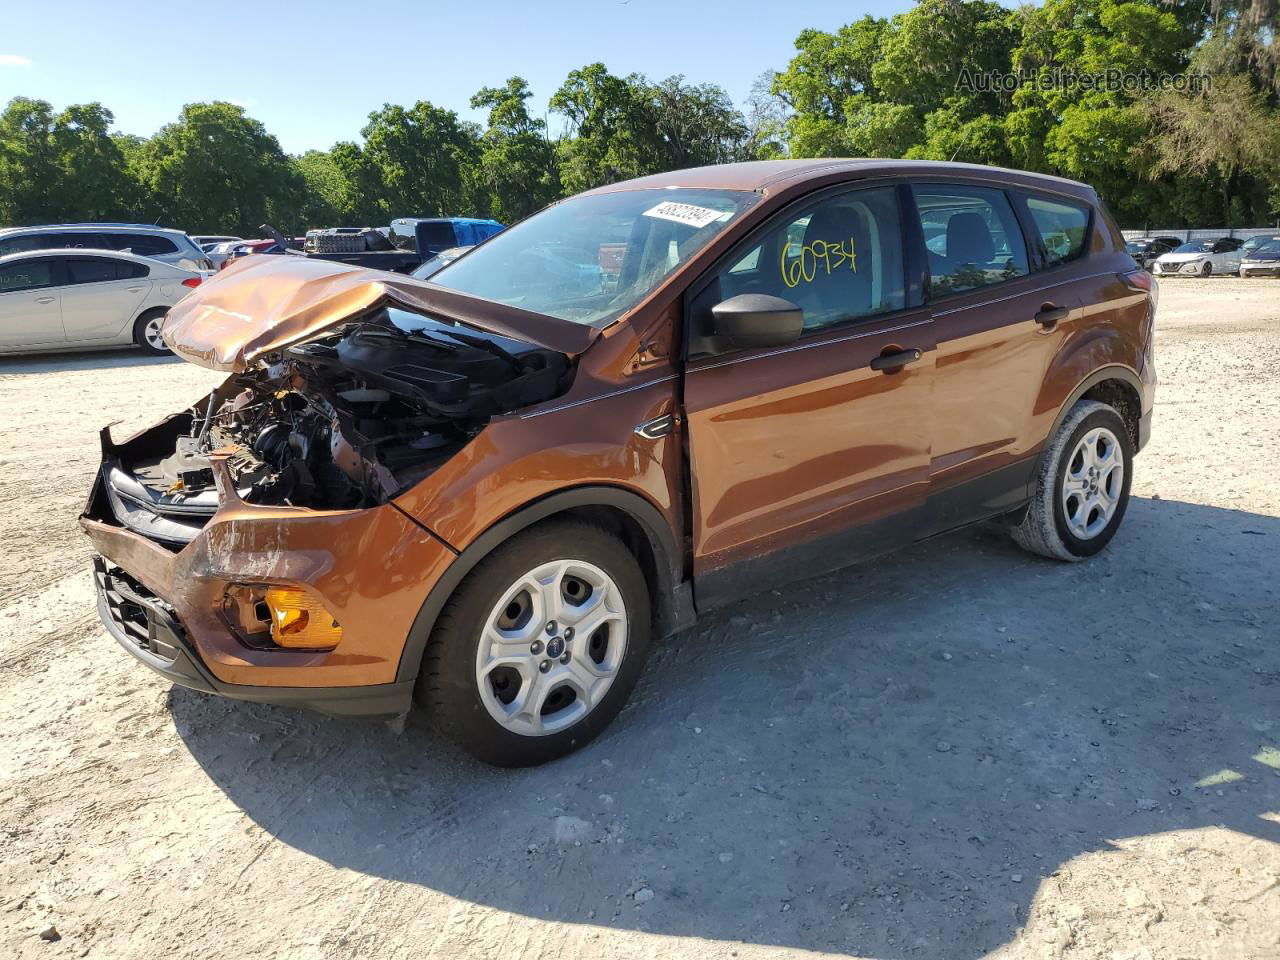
[(1227, 133), (517, 163), (695, 125), (217, 170), (420, 157), (610, 136)]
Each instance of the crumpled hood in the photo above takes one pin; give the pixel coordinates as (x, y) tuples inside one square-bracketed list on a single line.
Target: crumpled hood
[(267, 302)]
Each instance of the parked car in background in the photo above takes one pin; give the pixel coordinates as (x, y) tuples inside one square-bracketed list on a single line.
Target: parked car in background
[(1263, 260), (441, 260), (155, 243), (87, 299), (401, 248), (1171, 242), (205, 243), (1253, 243), (1147, 250), (224, 253), (498, 487), (1200, 258)]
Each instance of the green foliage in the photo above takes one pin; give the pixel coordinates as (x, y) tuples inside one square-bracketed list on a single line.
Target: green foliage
[(874, 87)]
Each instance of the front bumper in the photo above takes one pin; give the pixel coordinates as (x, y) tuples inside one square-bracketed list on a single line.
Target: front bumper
[(148, 628), (168, 604), (1260, 270)]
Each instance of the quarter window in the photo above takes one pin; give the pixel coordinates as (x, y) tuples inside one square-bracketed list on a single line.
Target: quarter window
[(1062, 227), (837, 259), (971, 236)]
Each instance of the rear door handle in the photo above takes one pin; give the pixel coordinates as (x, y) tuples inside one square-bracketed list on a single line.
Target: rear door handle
[(45, 299), (1049, 316), (892, 361)]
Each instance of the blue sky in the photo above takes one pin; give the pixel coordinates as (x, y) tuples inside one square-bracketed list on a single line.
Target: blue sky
[(312, 70)]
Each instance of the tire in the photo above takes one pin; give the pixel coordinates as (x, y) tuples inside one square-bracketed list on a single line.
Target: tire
[(1048, 528), (1206, 270), (465, 677), (146, 332)]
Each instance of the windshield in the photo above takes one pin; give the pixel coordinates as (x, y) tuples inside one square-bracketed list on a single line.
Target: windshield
[(592, 258), (1270, 247), (1196, 246), (1138, 247)]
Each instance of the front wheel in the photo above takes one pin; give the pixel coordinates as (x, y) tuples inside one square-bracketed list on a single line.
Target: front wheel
[(1206, 270), (146, 334), (1083, 486), (540, 646)]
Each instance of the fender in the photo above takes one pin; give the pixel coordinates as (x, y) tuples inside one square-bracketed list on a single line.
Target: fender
[(674, 599), (1112, 372)]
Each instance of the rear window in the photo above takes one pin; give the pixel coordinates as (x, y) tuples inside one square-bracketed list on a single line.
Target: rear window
[(141, 244), (1063, 227)]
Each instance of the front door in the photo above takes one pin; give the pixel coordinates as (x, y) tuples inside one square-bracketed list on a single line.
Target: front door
[(806, 458), (29, 311)]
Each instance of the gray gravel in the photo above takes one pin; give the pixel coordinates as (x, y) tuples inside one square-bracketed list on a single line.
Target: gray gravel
[(960, 751)]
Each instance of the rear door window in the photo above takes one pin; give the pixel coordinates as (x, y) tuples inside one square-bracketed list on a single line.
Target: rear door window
[(1063, 227), (971, 236), (93, 270)]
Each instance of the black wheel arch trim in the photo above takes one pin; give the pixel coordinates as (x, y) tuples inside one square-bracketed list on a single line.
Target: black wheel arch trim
[(673, 606), (1101, 375)]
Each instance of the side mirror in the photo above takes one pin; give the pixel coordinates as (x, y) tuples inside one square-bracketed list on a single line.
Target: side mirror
[(757, 320)]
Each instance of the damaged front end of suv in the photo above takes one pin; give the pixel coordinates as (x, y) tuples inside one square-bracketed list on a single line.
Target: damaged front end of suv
[(226, 532)]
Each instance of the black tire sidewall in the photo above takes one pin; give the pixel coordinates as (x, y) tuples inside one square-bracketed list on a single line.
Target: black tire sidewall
[(462, 711), (1112, 421), (139, 334)]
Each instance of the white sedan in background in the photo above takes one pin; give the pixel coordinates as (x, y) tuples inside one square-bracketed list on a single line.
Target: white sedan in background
[(1201, 258), (86, 300)]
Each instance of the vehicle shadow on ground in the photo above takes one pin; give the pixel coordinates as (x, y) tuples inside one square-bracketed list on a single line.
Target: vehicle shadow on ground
[(35, 363), (885, 761)]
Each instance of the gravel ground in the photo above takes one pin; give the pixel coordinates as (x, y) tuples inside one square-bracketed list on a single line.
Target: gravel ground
[(960, 751)]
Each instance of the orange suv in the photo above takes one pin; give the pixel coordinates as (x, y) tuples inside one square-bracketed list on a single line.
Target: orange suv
[(493, 490)]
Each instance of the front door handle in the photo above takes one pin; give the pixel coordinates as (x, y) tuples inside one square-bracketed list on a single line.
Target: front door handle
[(892, 361), (45, 299), (1049, 316)]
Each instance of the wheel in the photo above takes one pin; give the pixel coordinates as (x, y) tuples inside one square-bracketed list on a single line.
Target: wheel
[(1207, 269), (146, 334), (1083, 486), (540, 646)]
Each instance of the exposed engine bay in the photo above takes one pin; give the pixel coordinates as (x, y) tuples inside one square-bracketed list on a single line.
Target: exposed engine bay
[(348, 419)]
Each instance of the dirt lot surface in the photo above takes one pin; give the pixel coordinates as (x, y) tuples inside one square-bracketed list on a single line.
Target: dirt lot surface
[(960, 751)]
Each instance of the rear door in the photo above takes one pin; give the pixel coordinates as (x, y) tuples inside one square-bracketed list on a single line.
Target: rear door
[(30, 313), (998, 325), (101, 297), (805, 457)]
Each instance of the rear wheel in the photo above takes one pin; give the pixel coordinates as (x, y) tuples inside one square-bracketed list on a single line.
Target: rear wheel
[(540, 646), (1083, 486), (146, 333)]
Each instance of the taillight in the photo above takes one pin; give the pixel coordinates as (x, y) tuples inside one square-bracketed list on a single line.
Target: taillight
[(191, 282), (1141, 280)]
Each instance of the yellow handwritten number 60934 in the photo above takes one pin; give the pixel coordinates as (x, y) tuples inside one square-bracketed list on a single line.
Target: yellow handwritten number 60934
[(820, 253)]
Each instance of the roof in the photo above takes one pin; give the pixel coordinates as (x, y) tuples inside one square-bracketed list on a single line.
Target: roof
[(90, 252), (105, 227), (769, 175)]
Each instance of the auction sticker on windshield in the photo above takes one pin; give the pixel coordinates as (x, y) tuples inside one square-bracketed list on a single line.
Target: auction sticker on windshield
[(686, 213)]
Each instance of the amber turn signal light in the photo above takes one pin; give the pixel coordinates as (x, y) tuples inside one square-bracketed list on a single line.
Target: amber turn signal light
[(299, 621)]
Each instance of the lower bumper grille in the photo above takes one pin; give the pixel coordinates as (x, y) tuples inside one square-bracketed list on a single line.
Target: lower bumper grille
[(140, 617)]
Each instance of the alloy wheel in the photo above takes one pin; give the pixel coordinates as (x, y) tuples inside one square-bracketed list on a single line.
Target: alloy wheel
[(151, 333), (551, 647), (1093, 484)]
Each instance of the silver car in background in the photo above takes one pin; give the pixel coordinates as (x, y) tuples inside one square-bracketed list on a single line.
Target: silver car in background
[(157, 243), (53, 300), (1201, 258)]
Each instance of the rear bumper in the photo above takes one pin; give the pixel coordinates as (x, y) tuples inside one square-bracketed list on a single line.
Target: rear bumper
[(149, 629)]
